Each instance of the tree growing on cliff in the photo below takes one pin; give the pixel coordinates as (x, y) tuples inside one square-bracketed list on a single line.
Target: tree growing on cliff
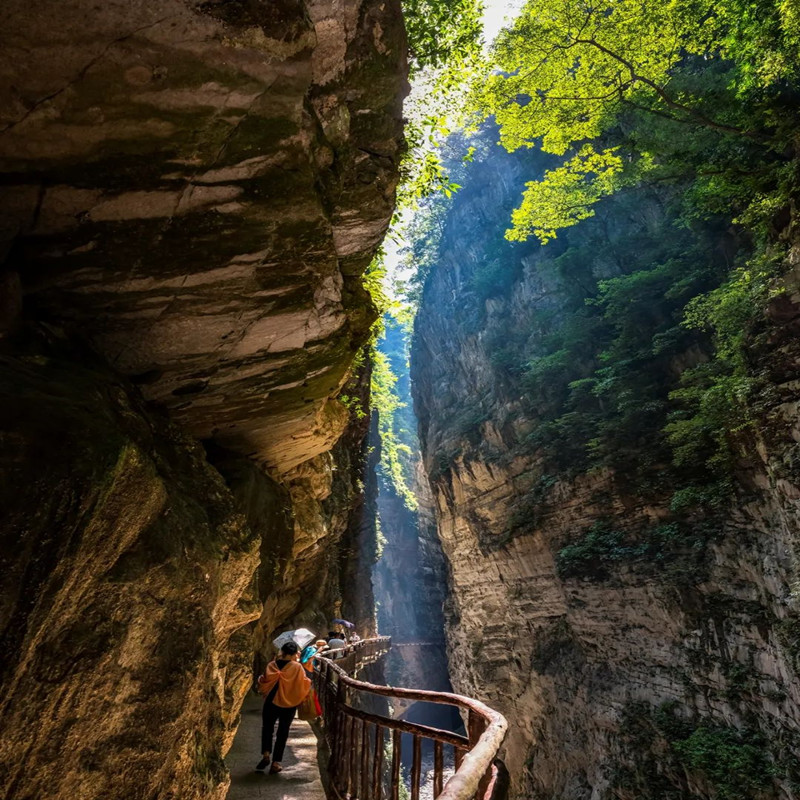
[(445, 44), (442, 34), (701, 95), (626, 88)]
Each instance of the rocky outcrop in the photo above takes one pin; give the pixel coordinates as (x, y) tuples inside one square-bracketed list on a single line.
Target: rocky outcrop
[(192, 192), (197, 188), (675, 677), (127, 563)]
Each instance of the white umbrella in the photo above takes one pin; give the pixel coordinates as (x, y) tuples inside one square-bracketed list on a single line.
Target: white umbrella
[(302, 636)]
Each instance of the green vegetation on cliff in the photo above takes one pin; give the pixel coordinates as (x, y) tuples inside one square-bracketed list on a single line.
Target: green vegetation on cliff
[(616, 356), (632, 91), (391, 401), (442, 34), (445, 44), (691, 105), (666, 223), (726, 763)]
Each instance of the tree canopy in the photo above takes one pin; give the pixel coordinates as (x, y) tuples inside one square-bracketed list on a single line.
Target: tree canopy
[(659, 143), (442, 33), (576, 78)]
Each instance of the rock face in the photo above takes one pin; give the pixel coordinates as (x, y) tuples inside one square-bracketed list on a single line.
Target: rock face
[(127, 564), (198, 187), (631, 683), (192, 192)]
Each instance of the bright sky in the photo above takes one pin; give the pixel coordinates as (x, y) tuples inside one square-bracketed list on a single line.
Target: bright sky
[(495, 13)]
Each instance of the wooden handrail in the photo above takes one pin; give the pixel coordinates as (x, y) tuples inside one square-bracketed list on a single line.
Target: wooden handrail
[(357, 737)]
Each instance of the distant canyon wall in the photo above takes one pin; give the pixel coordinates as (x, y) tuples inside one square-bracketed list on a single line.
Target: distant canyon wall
[(192, 192), (409, 576)]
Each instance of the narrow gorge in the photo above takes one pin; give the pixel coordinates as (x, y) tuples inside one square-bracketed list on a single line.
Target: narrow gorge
[(608, 622), (544, 434)]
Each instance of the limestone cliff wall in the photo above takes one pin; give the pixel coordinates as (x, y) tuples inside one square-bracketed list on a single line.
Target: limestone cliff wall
[(198, 187), (191, 194), (127, 564), (592, 671)]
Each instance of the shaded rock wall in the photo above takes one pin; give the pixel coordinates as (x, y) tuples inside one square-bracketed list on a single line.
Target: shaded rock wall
[(599, 677), (191, 194), (197, 188), (126, 564)]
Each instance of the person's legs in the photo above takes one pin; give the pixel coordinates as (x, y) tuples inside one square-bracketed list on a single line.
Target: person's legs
[(269, 715), (285, 717)]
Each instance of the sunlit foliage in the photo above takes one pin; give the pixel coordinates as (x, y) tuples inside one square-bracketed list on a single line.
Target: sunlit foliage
[(673, 175), (564, 196), (573, 71), (445, 45), (395, 420), (442, 34)]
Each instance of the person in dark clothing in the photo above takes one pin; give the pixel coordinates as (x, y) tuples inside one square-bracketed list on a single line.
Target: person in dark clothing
[(285, 685)]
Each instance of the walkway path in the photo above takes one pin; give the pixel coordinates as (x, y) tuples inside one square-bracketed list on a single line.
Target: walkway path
[(300, 777)]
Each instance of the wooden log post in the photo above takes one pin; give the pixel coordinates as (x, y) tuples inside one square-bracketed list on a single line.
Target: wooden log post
[(377, 764), (397, 743), (364, 769), (416, 767), (438, 768)]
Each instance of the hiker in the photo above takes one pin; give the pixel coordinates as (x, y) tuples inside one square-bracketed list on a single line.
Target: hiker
[(284, 685), (307, 659), (336, 640), (308, 654)]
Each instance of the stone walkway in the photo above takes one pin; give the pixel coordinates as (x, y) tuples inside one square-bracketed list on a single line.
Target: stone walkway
[(300, 777)]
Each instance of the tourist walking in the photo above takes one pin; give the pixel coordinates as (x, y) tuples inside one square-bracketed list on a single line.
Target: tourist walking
[(284, 685), (311, 708)]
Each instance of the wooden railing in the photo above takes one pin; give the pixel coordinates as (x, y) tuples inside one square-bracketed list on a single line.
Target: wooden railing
[(366, 747)]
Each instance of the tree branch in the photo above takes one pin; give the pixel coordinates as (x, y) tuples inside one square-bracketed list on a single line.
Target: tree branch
[(699, 117)]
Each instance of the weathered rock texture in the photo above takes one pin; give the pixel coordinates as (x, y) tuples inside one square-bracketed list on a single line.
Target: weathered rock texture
[(592, 672), (126, 564), (191, 194), (198, 187)]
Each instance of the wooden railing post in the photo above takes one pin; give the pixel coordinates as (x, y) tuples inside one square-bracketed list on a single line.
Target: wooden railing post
[(364, 769), (377, 764), (476, 726), (397, 746), (438, 768), (416, 767), (338, 770)]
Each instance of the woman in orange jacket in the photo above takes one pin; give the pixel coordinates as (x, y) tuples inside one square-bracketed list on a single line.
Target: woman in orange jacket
[(284, 686)]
